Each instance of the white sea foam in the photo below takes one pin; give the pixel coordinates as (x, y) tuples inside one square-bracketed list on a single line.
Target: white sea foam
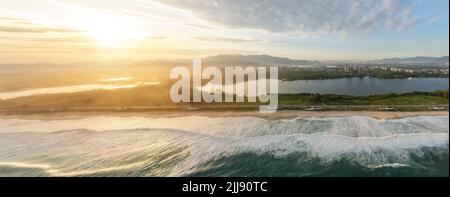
[(103, 143), (390, 165), (240, 127)]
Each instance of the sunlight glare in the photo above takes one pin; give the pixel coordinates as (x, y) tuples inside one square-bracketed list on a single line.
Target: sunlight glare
[(113, 32)]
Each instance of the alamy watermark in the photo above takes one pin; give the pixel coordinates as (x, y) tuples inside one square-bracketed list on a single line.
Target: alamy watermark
[(231, 88)]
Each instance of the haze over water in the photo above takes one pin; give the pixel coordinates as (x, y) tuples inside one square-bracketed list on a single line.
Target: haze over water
[(354, 86)]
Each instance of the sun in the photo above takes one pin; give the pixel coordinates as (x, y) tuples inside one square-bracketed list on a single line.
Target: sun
[(112, 33)]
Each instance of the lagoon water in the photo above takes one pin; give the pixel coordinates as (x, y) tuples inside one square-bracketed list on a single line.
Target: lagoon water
[(232, 146), (355, 86), (362, 86)]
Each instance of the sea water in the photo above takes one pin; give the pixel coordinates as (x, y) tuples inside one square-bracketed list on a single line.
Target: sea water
[(230, 146)]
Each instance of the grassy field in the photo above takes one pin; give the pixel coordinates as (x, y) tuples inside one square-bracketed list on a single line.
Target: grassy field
[(159, 96), (413, 98)]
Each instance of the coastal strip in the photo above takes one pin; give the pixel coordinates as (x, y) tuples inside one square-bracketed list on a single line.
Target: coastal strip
[(272, 116)]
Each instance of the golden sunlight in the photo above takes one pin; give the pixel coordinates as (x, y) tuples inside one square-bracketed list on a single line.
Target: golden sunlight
[(113, 32)]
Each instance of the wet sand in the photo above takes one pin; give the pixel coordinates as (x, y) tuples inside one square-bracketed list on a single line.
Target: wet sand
[(269, 116)]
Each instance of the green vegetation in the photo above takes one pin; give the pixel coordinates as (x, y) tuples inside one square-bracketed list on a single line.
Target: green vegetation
[(291, 75), (414, 98), (157, 97), (390, 75)]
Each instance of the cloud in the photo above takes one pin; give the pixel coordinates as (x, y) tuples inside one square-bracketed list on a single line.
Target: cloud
[(308, 17), (158, 37), (15, 20), (224, 39), (17, 25), (16, 29), (58, 39), (434, 19)]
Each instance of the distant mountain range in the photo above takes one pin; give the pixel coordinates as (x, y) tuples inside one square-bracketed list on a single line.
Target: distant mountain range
[(255, 60), (272, 60), (251, 60), (416, 60)]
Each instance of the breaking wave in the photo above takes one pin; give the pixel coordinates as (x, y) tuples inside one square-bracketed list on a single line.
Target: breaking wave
[(234, 146)]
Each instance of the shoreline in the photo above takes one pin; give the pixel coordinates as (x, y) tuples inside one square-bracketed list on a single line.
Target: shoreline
[(214, 114)]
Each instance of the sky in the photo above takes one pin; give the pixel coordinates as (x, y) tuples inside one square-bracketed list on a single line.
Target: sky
[(63, 31)]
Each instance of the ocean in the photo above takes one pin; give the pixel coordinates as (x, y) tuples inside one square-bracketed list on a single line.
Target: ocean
[(225, 146)]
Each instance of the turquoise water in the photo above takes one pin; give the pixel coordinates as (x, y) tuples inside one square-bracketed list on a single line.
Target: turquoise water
[(434, 162), (234, 146)]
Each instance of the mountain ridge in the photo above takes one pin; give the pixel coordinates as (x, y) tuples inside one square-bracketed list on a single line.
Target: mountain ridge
[(263, 59)]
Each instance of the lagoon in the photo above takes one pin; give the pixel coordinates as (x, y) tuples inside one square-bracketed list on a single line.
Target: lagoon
[(363, 86), (355, 86)]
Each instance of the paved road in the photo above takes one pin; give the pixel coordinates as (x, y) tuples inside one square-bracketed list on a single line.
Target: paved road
[(213, 107)]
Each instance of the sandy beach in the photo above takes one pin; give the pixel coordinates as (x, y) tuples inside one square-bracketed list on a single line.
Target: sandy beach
[(268, 116)]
